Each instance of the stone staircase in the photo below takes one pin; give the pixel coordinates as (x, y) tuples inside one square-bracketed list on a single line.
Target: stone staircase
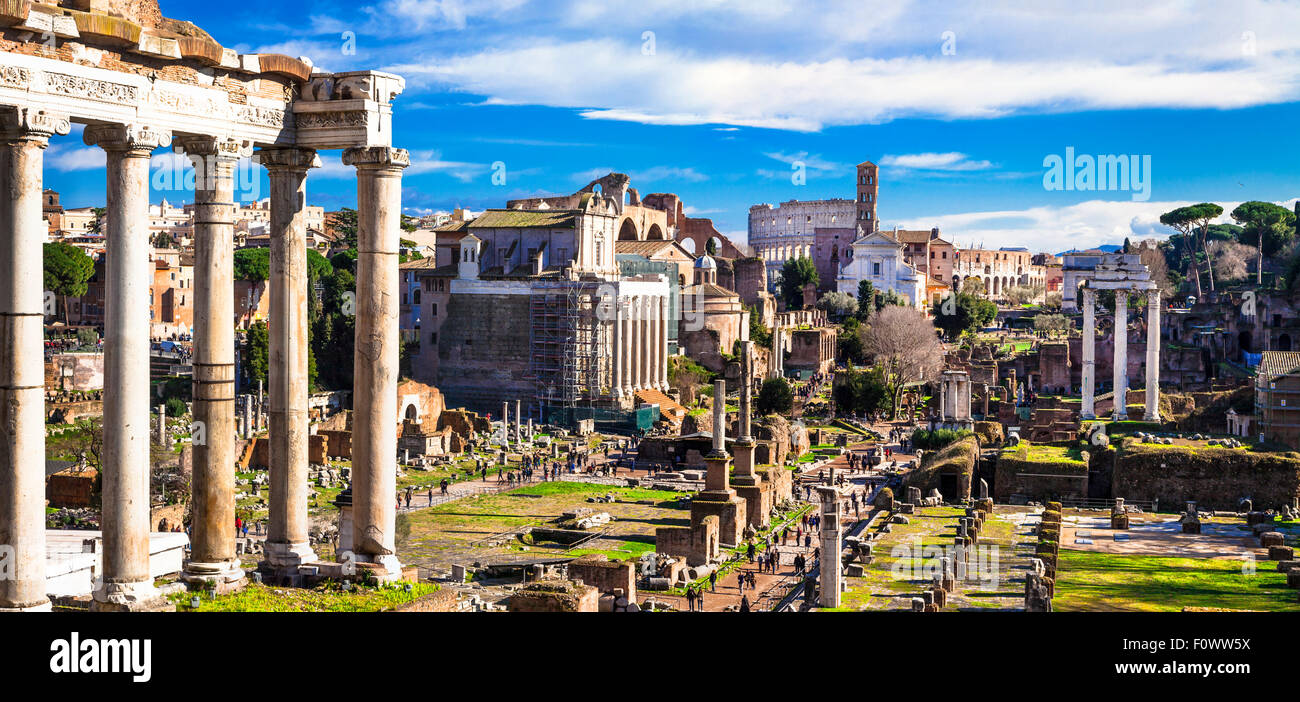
[(668, 407)]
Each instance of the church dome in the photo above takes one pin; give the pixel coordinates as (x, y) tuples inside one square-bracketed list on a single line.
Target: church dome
[(706, 263)]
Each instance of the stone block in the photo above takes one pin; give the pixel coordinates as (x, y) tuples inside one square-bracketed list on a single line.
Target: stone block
[(1281, 553)]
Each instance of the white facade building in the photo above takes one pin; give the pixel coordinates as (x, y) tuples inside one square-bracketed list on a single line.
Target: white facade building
[(878, 257)]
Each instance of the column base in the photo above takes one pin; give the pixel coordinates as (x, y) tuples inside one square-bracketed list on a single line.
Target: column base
[(226, 577), (388, 570), (1152, 417), (45, 606), (286, 556), (139, 596), (1087, 415)]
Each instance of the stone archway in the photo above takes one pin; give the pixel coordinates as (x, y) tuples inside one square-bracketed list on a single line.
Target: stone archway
[(411, 413), (656, 233), (627, 231)]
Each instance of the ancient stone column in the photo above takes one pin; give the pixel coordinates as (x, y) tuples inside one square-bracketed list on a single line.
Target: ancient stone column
[(126, 582), (519, 421), (505, 423), (719, 417), (662, 367), (288, 544), (26, 133), (212, 541), (1121, 356), (829, 587), (1089, 381), (374, 394), (620, 317), (1153, 356), (653, 321), (647, 343), (625, 344)]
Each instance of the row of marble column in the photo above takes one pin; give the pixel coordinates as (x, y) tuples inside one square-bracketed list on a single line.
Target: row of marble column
[(641, 338), (125, 518), (1120, 360)]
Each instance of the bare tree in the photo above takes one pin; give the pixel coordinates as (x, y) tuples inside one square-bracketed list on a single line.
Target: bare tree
[(1154, 259), (1230, 259), (905, 346)]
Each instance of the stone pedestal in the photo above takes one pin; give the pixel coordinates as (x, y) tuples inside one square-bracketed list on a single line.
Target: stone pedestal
[(829, 590)]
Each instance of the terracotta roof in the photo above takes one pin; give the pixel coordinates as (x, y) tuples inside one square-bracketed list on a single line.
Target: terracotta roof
[(524, 219), (645, 248), (913, 236), (1277, 363)]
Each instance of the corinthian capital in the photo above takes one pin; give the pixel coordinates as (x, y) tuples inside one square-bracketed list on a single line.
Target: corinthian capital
[(33, 123), (135, 139), (376, 157), (288, 159), (218, 147)]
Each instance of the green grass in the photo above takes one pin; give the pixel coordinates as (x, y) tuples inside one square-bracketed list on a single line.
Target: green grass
[(328, 597), (1089, 581)]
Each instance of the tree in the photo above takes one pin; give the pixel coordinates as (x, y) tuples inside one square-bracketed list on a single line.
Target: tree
[(344, 223), (838, 305), (67, 270), (758, 332), (1052, 324), (255, 355), (1053, 300), (861, 392), (795, 275), (866, 299), (1230, 260), (1195, 219), (1268, 226), (1151, 256), (775, 397), (1024, 294), (967, 313), (905, 349), (253, 264), (849, 341), (973, 286), (1180, 220)]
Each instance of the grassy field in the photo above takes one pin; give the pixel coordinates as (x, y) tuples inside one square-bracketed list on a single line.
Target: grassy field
[(1102, 582), (324, 598)]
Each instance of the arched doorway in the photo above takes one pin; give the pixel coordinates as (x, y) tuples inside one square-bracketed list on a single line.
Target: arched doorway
[(412, 413), (656, 233), (1284, 342)]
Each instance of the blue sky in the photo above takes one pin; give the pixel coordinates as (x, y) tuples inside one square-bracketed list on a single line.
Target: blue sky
[(959, 101)]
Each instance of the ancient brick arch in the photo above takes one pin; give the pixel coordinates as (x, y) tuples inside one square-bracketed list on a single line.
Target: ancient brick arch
[(656, 233), (627, 231)]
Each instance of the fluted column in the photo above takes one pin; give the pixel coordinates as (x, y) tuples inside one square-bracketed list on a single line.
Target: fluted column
[(1089, 381), (663, 343), (1153, 356), (212, 539), (1121, 356), (126, 582), (26, 133), (374, 394), (620, 316), (288, 544), (638, 344)]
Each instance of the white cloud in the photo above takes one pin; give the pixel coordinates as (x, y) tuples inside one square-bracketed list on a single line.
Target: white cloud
[(1054, 229), (439, 14), (827, 71), (59, 157), (951, 161)]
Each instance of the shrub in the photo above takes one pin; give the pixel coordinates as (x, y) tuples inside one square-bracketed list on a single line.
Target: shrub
[(937, 439), (175, 407)]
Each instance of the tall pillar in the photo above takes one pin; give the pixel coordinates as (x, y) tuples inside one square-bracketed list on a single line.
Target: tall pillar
[(664, 311), (625, 345), (1089, 392), (646, 344), (26, 133), (374, 394), (126, 582), (620, 316), (718, 478), (1153, 356), (519, 421), (288, 544), (653, 322), (212, 539), (829, 572), (744, 445), (1121, 356)]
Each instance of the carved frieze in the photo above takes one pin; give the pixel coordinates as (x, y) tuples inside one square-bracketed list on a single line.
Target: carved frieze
[(90, 88)]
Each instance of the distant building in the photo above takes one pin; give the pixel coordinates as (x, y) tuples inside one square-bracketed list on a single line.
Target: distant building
[(998, 270), (879, 258), (1277, 397), (1076, 267)]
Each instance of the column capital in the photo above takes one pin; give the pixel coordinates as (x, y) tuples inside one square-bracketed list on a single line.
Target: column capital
[(376, 157), (32, 123), (132, 139), (222, 148), (289, 158)]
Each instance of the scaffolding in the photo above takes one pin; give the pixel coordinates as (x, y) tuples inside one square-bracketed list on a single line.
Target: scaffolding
[(571, 348)]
